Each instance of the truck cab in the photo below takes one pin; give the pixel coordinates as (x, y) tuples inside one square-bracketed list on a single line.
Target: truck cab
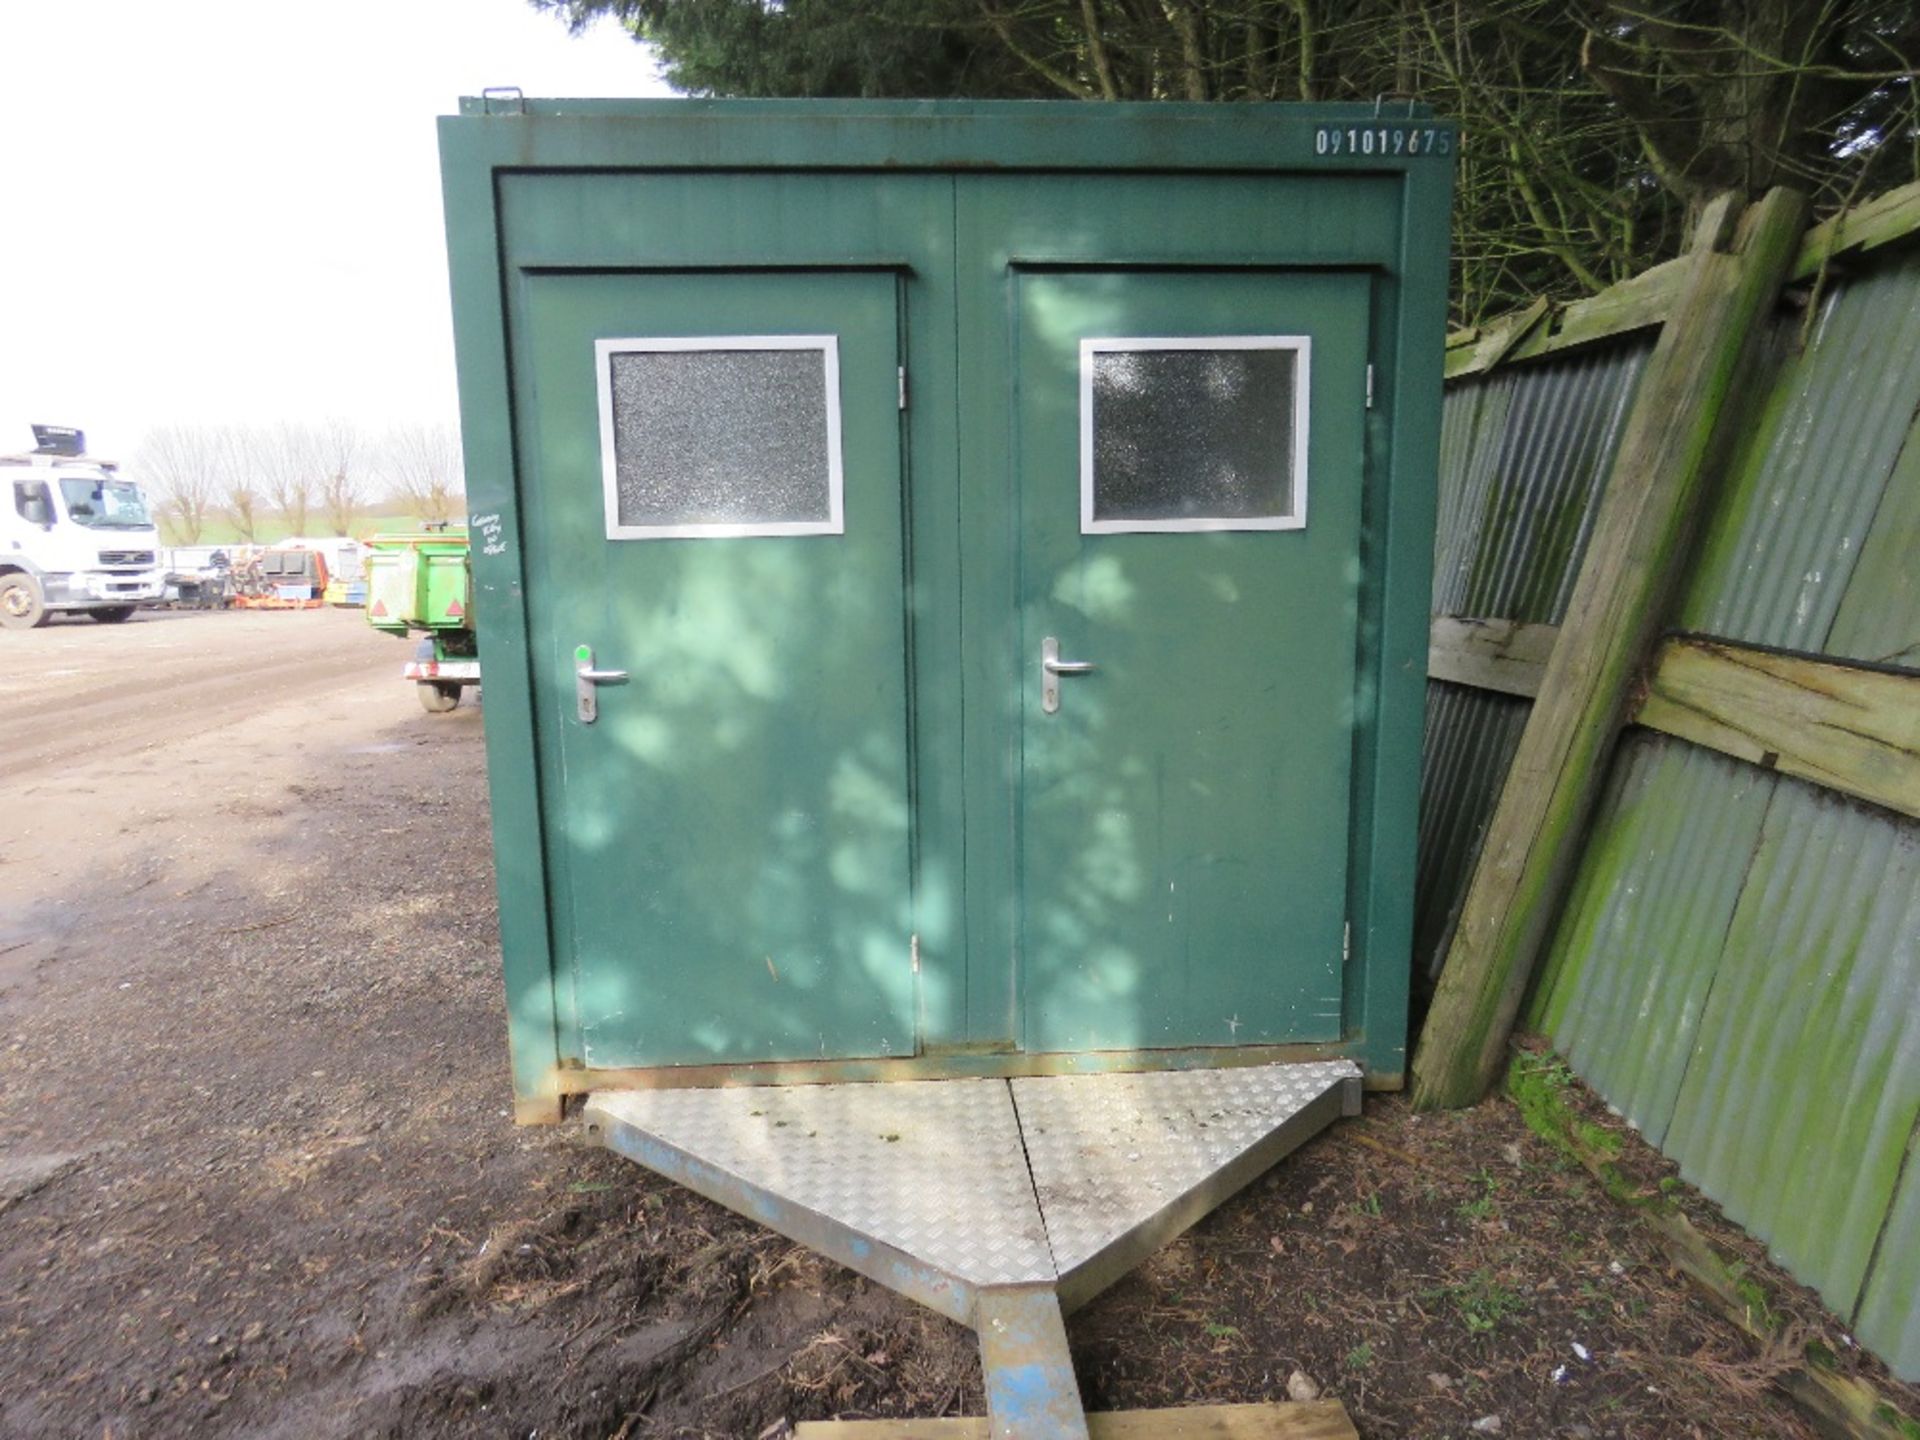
[(75, 537)]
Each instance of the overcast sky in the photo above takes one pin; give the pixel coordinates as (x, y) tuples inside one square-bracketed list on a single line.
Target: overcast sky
[(215, 211)]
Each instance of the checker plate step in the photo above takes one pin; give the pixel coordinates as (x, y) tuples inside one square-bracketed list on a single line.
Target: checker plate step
[(982, 1182)]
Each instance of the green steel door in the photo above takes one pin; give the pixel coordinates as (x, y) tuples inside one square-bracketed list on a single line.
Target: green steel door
[(831, 813), (1188, 456), (716, 459)]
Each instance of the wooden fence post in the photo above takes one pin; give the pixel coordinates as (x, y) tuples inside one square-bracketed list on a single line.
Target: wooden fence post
[(1675, 437)]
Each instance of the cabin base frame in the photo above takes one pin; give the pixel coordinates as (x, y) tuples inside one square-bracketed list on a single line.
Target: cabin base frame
[(1001, 1203)]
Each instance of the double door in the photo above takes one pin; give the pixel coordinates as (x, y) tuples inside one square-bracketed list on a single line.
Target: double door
[(944, 610)]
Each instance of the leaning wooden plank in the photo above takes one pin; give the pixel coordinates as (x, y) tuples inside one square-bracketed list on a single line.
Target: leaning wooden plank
[(1879, 221), (1504, 655), (1837, 725), (1304, 1420), (1678, 429)]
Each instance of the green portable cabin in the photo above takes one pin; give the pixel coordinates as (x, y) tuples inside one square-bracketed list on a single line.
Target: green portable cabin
[(953, 580)]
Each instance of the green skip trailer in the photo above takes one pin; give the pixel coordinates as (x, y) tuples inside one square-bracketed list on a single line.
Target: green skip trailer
[(955, 583), (420, 583)]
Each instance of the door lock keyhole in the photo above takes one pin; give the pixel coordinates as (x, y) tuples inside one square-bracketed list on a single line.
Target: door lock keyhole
[(1052, 667)]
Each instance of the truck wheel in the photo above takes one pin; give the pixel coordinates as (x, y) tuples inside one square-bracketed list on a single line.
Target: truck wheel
[(22, 607), (437, 697), (116, 615)]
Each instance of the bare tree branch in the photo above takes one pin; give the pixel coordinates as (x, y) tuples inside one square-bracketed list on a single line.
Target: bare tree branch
[(1051, 74), (1097, 49), (239, 480), (342, 491), (423, 467), (181, 464), (286, 456)]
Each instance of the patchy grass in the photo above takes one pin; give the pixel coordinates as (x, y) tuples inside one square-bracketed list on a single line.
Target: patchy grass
[(1481, 1301)]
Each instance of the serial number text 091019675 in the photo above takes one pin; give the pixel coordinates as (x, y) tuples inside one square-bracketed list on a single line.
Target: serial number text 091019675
[(1387, 140)]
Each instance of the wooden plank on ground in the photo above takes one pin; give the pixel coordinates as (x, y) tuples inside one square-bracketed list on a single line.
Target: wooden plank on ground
[(1837, 725), (1505, 655), (1303, 1420), (1676, 434)]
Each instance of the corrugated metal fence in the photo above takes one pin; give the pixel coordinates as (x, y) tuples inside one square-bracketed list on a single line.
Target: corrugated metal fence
[(1737, 967), (1523, 456)]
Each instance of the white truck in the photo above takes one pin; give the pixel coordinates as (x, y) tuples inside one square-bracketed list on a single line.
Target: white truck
[(75, 537)]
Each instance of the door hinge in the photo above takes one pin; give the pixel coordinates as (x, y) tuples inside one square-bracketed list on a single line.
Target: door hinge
[(1369, 387), (913, 949), (1346, 942), (903, 387)]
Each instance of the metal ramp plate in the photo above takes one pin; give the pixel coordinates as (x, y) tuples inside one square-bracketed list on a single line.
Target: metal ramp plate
[(999, 1203), (1122, 1163), (931, 1168)]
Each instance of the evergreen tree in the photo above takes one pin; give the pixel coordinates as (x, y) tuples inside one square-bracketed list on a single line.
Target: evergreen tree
[(1594, 129)]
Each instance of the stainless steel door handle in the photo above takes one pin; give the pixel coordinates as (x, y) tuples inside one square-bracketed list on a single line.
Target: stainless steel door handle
[(587, 682), (1052, 667)]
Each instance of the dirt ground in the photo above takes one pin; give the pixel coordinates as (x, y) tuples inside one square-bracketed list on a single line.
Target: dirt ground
[(257, 1175)]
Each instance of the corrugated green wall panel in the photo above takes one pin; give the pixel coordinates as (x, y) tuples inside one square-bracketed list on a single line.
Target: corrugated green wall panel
[(1636, 952), (1791, 525), (1524, 455), (1469, 745), (1889, 1317), (1737, 970), (1804, 1082), (1472, 419), (1879, 616)]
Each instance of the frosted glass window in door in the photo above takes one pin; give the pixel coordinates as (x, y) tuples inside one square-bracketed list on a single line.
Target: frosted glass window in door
[(1193, 434), (721, 436)]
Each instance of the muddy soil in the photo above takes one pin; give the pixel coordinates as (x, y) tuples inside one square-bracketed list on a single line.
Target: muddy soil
[(258, 1177)]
